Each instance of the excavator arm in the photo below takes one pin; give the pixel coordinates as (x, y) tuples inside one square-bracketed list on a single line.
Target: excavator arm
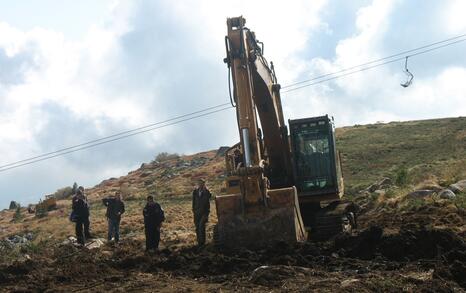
[(262, 205), (256, 91)]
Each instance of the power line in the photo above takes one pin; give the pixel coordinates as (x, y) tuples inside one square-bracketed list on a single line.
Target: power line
[(114, 135), (107, 140), (150, 127), (379, 60)]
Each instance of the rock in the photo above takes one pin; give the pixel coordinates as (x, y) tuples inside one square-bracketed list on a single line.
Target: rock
[(95, 243), (447, 194), (421, 193), (430, 186), (274, 274), (458, 187), (348, 282), (18, 240), (384, 183), (14, 205), (379, 192)]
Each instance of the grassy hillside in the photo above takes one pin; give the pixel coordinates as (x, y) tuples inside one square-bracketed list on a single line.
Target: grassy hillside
[(425, 149), (432, 150)]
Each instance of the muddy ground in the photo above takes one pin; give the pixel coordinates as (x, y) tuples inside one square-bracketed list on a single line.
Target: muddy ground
[(418, 249), (421, 260)]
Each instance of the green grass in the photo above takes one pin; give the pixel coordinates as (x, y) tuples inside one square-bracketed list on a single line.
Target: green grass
[(460, 200), (407, 152)]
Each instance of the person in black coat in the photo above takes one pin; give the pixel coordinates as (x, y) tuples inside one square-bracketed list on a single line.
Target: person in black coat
[(80, 215), (153, 218), (115, 208), (201, 210), (86, 221)]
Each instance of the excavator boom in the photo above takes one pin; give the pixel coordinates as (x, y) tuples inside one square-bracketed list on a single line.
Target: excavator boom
[(262, 204)]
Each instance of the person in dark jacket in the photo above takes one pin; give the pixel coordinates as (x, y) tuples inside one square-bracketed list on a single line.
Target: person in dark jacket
[(115, 208), (86, 222), (80, 214), (153, 218), (201, 210)]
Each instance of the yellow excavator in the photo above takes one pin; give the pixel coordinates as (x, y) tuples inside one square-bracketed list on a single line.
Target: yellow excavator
[(280, 186)]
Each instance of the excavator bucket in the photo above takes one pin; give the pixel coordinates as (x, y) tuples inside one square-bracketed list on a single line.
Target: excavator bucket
[(240, 225)]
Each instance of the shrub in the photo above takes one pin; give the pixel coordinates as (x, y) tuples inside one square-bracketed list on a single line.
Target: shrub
[(75, 188), (63, 193), (17, 215), (401, 176), (164, 156)]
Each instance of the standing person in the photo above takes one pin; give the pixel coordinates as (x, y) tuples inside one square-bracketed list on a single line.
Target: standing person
[(201, 210), (153, 218), (115, 208), (79, 215), (86, 222)]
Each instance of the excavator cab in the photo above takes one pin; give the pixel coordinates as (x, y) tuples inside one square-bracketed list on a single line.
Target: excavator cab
[(316, 162)]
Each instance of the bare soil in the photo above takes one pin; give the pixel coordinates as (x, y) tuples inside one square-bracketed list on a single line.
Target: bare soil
[(412, 258)]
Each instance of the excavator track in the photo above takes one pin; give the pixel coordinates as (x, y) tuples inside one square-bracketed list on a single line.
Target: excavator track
[(334, 219)]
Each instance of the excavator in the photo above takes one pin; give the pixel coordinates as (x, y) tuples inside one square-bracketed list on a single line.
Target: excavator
[(281, 186)]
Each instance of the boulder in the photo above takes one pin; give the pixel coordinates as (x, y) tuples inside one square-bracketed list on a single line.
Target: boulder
[(421, 193), (458, 187), (447, 194)]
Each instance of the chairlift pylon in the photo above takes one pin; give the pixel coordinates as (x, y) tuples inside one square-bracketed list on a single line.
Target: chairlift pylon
[(409, 74)]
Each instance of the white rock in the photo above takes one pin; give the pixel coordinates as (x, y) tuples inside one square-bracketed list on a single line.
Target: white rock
[(447, 194), (459, 186), (420, 193)]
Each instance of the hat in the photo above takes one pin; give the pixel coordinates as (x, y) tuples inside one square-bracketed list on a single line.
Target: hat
[(150, 197), (201, 180)]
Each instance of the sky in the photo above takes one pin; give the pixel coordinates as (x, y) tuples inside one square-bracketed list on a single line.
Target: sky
[(75, 71)]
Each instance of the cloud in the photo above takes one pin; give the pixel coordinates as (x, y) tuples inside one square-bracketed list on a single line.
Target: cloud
[(455, 22), (148, 61), (383, 28)]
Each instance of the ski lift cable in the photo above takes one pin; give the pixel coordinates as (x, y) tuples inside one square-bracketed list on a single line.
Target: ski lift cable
[(375, 61), (138, 130), (371, 67)]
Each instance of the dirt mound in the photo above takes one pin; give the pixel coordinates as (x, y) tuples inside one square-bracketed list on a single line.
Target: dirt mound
[(442, 247), (407, 245)]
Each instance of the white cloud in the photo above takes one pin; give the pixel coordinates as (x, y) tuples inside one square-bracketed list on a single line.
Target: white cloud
[(148, 61), (455, 22)]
